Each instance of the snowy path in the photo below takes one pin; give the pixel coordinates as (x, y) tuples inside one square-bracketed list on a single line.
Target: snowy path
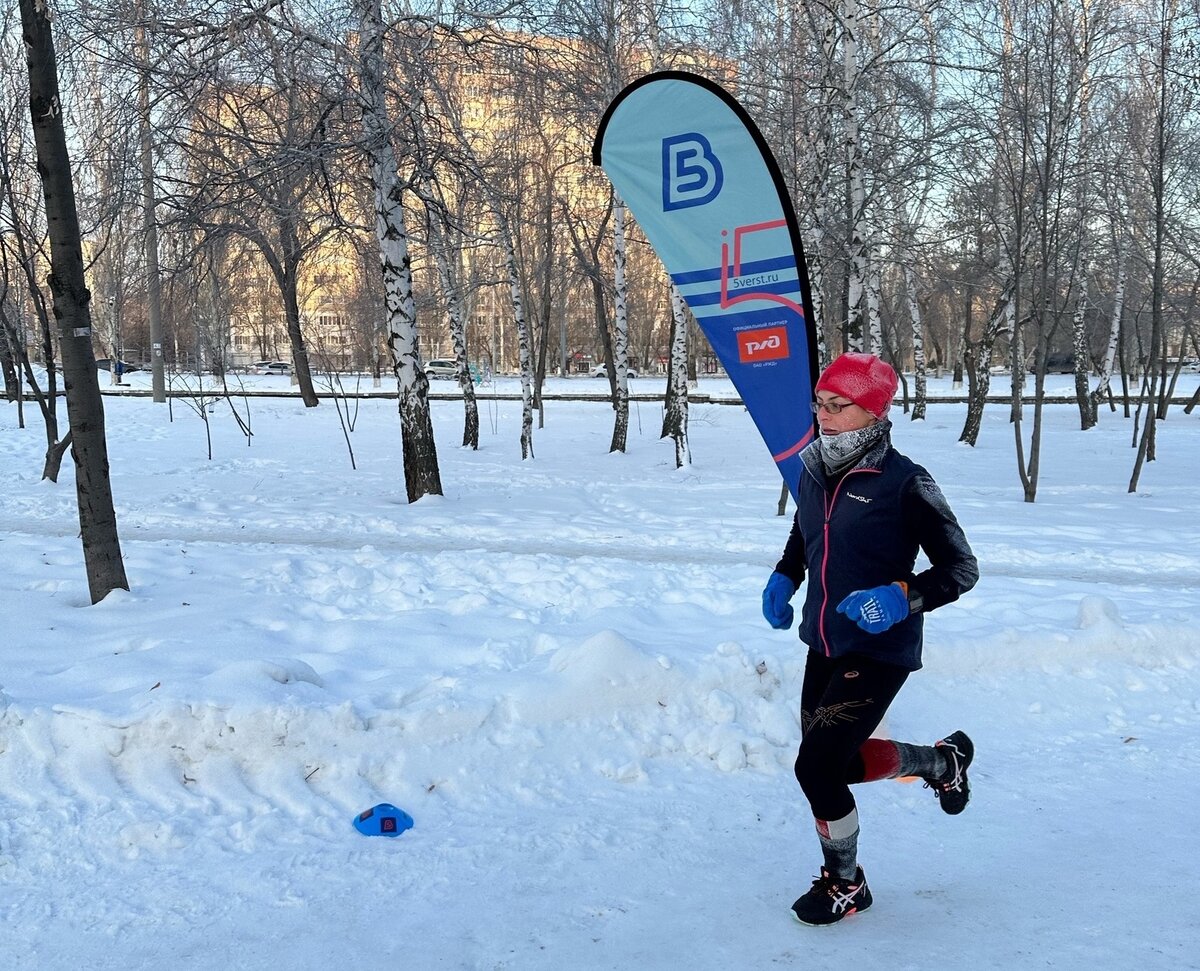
[(589, 721)]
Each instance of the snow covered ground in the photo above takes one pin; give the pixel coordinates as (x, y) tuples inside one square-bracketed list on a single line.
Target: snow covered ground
[(560, 670)]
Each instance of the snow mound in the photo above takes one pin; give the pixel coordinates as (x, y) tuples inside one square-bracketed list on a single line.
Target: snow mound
[(1097, 611), (260, 676)]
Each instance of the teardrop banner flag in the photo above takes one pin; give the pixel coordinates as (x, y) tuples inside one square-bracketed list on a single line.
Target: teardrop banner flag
[(700, 180)]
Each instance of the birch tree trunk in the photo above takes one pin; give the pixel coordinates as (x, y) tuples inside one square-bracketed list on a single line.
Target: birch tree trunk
[(1082, 359), (1114, 338), (158, 379), (918, 341), (545, 298), (816, 285), (822, 154), (85, 411), (586, 243), (421, 474), (500, 210), (1157, 167), (287, 274), (524, 349), (874, 318), (8, 364), (675, 415), (620, 330), (448, 275), (1019, 379), (979, 354), (858, 256)]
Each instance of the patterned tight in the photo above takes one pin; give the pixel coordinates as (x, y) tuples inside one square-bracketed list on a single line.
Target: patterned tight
[(842, 702)]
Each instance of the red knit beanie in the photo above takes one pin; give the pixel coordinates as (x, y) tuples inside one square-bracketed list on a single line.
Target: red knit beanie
[(867, 381)]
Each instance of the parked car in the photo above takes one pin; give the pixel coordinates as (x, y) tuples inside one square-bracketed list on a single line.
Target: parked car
[(441, 368), (104, 364), (600, 371), (271, 367)]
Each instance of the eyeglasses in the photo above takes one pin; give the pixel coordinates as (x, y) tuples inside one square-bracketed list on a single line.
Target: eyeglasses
[(833, 407)]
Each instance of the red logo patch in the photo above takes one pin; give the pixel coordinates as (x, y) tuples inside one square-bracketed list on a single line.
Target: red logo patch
[(764, 344)]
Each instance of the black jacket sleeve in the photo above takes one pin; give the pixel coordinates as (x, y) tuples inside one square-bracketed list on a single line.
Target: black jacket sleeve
[(953, 568), (792, 563)]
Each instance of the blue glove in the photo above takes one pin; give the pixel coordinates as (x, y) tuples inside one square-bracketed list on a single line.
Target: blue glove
[(776, 608), (877, 609)]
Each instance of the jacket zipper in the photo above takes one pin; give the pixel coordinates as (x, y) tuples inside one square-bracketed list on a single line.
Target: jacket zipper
[(830, 500)]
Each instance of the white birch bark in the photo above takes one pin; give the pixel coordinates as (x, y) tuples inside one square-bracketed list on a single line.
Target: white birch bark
[(524, 350), (1079, 343), (874, 318), (456, 318), (918, 341), (852, 143), (676, 423), (1084, 190), (816, 286), (822, 155), (421, 473), (620, 330), (1114, 335)]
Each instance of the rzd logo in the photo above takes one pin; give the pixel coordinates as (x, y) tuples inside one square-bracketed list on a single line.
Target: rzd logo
[(766, 344), (692, 174)]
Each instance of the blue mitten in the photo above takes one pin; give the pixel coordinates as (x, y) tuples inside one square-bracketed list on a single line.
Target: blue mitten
[(877, 609), (776, 596)]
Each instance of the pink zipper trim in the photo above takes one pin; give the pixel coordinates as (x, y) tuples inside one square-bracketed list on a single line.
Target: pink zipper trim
[(829, 503)]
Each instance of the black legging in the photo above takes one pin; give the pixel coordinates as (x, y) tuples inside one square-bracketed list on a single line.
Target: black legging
[(842, 702)]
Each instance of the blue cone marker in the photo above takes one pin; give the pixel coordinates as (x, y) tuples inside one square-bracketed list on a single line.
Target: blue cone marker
[(383, 820)]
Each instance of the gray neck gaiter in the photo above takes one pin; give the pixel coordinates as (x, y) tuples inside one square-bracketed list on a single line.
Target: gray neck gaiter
[(839, 452)]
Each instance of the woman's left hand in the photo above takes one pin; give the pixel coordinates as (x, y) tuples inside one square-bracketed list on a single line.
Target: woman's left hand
[(877, 609)]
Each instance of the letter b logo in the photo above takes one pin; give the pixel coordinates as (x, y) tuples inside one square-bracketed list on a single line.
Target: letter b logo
[(692, 174)]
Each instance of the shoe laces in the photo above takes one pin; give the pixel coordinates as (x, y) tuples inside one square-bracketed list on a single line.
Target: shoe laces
[(825, 883), (835, 886), (954, 783), (841, 891)]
